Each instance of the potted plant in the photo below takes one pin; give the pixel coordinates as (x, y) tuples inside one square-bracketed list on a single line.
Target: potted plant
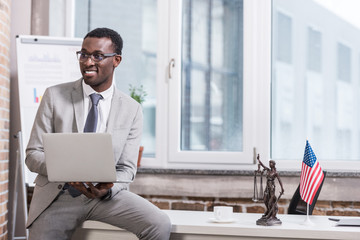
[(138, 94)]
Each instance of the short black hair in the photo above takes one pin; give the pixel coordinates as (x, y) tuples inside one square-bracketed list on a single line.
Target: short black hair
[(108, 33)]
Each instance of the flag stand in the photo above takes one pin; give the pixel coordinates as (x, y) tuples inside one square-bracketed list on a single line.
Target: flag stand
[(310, 179), (307, 221)]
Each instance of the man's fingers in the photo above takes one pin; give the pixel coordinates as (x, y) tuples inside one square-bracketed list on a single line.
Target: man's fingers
[(83, 189), (91, 191), (105, 185)]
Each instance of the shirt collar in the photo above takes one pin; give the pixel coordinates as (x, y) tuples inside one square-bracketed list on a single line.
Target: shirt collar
[(105, 94)]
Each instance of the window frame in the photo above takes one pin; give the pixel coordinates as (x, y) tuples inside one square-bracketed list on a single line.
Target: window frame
[(257, 16), (257, 79), (256, 91)]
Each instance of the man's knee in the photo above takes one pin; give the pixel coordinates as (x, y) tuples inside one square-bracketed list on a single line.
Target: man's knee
[(163, 224), (159, 229)]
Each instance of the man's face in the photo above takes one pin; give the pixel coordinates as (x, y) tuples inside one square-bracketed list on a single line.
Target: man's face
[(98, 75)]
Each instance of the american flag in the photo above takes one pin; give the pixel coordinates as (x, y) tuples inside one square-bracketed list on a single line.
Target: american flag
[(311, 175)]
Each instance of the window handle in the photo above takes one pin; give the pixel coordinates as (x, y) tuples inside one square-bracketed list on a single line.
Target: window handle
[(171, 65)]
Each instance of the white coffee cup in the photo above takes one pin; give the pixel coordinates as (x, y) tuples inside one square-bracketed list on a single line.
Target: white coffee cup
[(223, 213)]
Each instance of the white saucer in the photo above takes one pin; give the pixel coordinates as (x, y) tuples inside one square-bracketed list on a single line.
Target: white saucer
[(223, 221)]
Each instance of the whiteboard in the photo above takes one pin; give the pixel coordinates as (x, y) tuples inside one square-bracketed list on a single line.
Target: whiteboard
[(42, 61)]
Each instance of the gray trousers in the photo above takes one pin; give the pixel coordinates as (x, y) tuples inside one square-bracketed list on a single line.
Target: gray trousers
[(125, 210)]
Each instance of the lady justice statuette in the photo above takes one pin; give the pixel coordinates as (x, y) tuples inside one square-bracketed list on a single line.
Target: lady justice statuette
[(271, 201)]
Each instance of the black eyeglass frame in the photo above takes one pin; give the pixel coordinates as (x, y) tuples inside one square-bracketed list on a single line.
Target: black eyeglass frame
[(87, 56)]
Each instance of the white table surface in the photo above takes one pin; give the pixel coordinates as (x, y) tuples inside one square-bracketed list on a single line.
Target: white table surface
[(199, 225), (293, 226)]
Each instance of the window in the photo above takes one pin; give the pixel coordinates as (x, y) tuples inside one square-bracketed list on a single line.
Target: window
[(314, 85), (208, 121), (314, 53), (345, 104), (197, 114), (228, 79), (343, 63), (284, 87), (313, 93), (212, 67), (136, 21), (283, 38)]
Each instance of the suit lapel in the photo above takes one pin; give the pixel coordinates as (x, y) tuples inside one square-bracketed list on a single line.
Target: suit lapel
[(78, 104), (114, 112)]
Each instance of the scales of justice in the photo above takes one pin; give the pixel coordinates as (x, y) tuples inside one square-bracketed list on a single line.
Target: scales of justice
[(268, 196)]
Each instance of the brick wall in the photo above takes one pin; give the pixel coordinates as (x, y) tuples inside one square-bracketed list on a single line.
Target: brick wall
[(4, 112), (201, 190), (245, 205), (242, 205)]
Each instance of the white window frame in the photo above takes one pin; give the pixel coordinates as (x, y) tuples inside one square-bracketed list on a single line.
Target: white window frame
[(257, 84), (256, 109)]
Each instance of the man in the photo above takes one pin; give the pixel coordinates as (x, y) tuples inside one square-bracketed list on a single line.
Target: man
[(58, 208)]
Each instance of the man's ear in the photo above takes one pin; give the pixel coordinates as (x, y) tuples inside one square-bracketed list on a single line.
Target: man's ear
[(117, 60)]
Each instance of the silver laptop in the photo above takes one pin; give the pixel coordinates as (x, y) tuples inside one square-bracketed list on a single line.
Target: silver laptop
[(80, 157)]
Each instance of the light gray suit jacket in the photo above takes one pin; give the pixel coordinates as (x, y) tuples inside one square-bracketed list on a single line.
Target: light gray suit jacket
[(61, 110)]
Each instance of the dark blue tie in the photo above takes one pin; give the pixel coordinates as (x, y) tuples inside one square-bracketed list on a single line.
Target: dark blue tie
[(90, 126)]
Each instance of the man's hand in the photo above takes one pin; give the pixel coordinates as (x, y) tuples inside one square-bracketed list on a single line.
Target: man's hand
[(91, 191)]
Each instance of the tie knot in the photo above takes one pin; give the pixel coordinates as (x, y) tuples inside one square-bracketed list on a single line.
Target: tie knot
[(95, 98)]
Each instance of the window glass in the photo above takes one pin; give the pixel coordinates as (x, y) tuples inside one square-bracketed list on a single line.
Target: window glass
[(136, 22), (343, 62), (212, 75), (284, 34), (314, 60), (315, 94)]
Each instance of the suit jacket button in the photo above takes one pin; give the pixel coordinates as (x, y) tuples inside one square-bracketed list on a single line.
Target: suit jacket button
[(59, 186)]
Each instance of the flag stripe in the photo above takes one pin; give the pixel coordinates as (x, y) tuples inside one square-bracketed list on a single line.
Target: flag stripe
[(315, 187), (316, 176), (306, 171), (310, 181), (302, 177)]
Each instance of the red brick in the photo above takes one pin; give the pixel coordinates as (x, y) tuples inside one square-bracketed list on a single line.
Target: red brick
[(4, 115), (161, 205), (342, 204), (357, 205), (255, 209), (237, 200), (318, 212), (187, 206)]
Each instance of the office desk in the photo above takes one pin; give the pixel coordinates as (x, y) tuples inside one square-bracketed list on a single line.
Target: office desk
[(191, 225)]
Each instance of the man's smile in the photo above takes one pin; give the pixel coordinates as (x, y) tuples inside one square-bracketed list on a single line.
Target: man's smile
[(90, 73)]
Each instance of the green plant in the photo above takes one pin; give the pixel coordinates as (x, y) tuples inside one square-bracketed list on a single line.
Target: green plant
[(137, 93)]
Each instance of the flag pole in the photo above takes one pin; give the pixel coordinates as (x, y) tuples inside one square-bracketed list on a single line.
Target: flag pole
[(307, 221)]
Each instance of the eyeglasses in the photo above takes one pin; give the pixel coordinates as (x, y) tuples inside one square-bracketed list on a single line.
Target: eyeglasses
[(96, 57)]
